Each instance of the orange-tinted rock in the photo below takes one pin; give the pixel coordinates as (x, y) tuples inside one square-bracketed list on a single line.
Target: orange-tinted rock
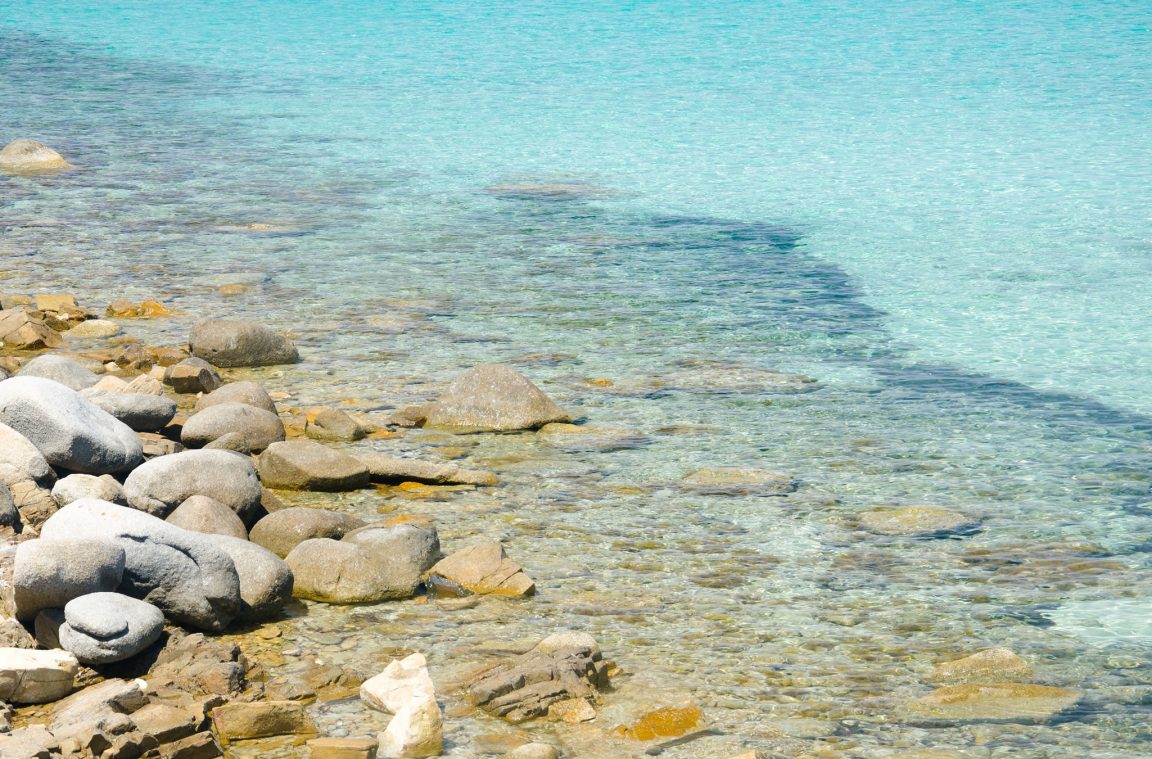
[(1006, 702), (995, 665), (669, 722)]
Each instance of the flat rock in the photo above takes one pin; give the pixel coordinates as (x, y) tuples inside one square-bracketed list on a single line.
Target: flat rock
[(261, 719), (191, 580), (20, 460), (915, 520), (994, 665), (71, 374), (96, 329), (247, 392), (142, 412), (101, 628), (342, 748), (36, 677), (25, 156), (305, 465), (50, 573), (77, 486), (738, 481), (493, 398), (71, 432), (334, 571), (199, 513), (97, 702), (1004, 702), (332, 424), (231, 343), (283, 530), (32, 742), (483, 569), (393, 469), (265, 579), (163, 483), (257, 428)]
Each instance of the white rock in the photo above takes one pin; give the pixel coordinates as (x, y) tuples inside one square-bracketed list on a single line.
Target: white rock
[(20, 460), (402, 682), (36, 677), (415, 731)]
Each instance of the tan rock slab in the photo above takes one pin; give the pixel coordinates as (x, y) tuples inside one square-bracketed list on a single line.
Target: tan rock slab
[(261, 719), (738, 481), (995, 665), (1005, 702), (36, 677), (484, 569), (342, 748), (914, 520)]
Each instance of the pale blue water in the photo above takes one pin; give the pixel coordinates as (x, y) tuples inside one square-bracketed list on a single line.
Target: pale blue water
[(939, 210)]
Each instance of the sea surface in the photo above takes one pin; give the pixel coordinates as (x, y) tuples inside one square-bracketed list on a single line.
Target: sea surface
[(939, 211)]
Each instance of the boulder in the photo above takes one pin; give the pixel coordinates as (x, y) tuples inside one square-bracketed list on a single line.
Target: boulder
[(993, 665), (415, 731), (283, 530), (332, 424), (1002, 702), (77, 486), (20, 460), (738, 481), (49, 574), (337, 572), (191, 580), (393, 469), (36, 677), (305, 465), (160, 485), (401, 682), (101, 628), (259, 428), (495, 398), (60, 369), (95, 328), (561, 667), (68, 430), (193, 375), (247, 392), (230, 441), (262, 719), (414, 544), (265, 579), (199, 513), (231, 343), (482, 569), (25, 156), (916, 521), (142, 412), (21, 330)]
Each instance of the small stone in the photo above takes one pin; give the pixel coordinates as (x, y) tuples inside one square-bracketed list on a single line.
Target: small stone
[(332, 424), (995, 665), (188, 378), (572, 711), (915, 520), (261, 719), (534, 751)]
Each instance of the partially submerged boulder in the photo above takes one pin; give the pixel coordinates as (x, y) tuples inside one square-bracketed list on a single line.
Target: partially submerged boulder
[(335, 571), (483, 568), (26, 156), (492, 398), (305, 465), (332, 424), (232, 343), (250, 393), (383, 467), (160, 485)]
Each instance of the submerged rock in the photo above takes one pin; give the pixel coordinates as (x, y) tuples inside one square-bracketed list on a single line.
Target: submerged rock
[(332, 424), (738, 481), (994, 665), (393, 469), (26, 156), (95, 328), (1004, 702), (915, 520), (232, 343), (493, 398)]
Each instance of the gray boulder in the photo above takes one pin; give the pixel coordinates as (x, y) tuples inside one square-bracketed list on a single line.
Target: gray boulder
[(493, 398), (191, 580), (203, 514), (68, 430), (334, 571), (250, 393), (305, 465), (230, 343), (417, 545), (20, 460), (160, 485), (101, 628), (49, 574), (257, 427), (282, 530), (265, 579), (59, 369), (77, 486), (142, 412)]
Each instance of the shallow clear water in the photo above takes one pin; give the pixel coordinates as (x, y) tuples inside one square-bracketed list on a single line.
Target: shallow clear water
[(937, 210)]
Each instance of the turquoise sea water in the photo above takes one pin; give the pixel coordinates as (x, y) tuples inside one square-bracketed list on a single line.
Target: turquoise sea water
[(938, 210)]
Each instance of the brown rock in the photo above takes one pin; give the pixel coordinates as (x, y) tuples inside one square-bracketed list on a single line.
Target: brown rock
[(669, 722), (198, 746), (332, 424), (261, 719), (165, 723), (342, 748), (22, 330), (492, 397), (483, 569), (34, 503), (914, 520), (995, 665), (1006, 702), (738, 481), (305, 465), (200, 666)]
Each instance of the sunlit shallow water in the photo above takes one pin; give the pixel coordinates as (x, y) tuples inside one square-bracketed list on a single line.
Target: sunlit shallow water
[(939, 215)]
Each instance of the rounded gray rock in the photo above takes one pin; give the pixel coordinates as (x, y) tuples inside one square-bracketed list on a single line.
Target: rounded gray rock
[(68, 430), (248, 392), (265, 579), (415, 544), (337, 572), (203, 514), (77, 486), (50, 573), (282, 530), (231, 343), (60, 369), (493, 398), (305, 465), (142, 412), (101, 628), (259, 428), (160, 485), (20, 460)]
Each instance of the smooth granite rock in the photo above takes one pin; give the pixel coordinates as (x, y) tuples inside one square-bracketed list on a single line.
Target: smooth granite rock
[(231, 343), (163, 483), (77, 486), (101, 628), (142, 412), (25, 156), (20, 460), (332, 424), (493, 397), (483, 568), (50, 573), (60, 369), (95, 328), (183, 573), (200, 513), (337, 572), (36, 677), (68, 430), (10, 522), (265, 579), (259, 428), (305, 465), (283, 530), (417, 545), (247, 392)]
